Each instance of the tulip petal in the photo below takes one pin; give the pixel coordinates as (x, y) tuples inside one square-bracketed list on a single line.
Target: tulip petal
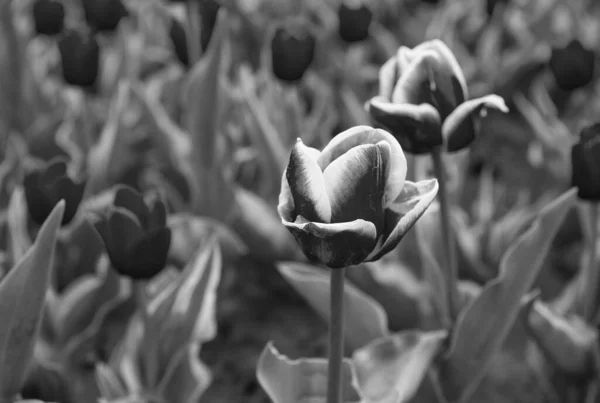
[(458, 129), (335, 245), (39, 204), (358, 135), (157, 218), (355, 184), (415, 84), (388, 76), (72, 193), (416, 127), (404, 56), (148, 256), (307, 185), (402, 215), (123, 230), (130, 199)]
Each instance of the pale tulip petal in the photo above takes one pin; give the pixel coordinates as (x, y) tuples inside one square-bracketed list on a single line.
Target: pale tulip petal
[(358, 135), (388, 76), (307, 185), (415, 84), (355, 184)]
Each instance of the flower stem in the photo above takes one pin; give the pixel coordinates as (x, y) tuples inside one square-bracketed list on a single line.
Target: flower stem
[(590, 278), (451, 272), (336, 336), (193, 31)]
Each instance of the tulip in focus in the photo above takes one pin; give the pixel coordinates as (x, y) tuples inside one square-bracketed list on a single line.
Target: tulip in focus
[(572, 66), (80, 58), (423, 102), (135, 235), (585, 163), (48, 17), (48, 185), (350, 203), (292, 52)]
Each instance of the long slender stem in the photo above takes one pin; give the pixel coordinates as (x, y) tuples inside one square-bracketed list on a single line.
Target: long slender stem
[(590, 278), (193, 31), (451, 272), (336, 337)]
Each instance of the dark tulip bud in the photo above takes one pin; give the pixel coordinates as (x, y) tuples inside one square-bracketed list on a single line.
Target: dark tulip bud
[(80, 56), (179, 39), (48, 17), (585, 163), (491, 6), (354, 21), (430, 1), (135, 234), (292, 51), (46, 186), (572, 66), (104, 15), (209, 10), (48, 384)]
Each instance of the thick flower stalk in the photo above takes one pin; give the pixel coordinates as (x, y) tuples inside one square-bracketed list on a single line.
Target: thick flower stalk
[(348, 204)]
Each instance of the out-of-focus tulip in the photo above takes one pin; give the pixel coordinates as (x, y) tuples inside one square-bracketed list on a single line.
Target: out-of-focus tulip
[(572, 66), (354, 21), (292, 52), (48, 17), (350, 203), (209, 10), (48, 384), (179, 39), (103, 15), (422, 100), (80, 57), (135, 235), (585, 163), (46, 186)]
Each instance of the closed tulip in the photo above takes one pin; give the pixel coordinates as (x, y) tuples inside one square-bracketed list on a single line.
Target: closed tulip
[(80, 58), (354, 21), (103, 15), (135, 235), (48, 17), (585, 163), (350, 203), (572, 66), (46, 186), (423, 102), (292, 52), (179, 39)]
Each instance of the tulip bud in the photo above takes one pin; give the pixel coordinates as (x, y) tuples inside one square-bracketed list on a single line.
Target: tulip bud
[(135, 235), (46, 186), (585, 163), (292, 51), (48, 384), (48, 17), (350, 203), (572, 66), (354, 21), (179, 39), (104, 15), (80, 56), (490, 6)]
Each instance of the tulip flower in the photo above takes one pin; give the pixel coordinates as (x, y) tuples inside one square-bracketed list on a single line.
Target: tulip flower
[(103, 15), (572, 66), (585, 162), (292, 52), (423, 102), (48, 17), (354, 21), (135, 235), (350, 203), (46, 186), (80, 57)]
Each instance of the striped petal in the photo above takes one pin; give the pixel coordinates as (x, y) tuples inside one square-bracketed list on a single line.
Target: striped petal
[(343, 142), (355, 183), (335, 245), (307, 185)]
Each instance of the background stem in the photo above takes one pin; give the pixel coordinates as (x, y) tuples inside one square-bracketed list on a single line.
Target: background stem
[(193, 31), (451, 272), (336, 337), (590, 277)]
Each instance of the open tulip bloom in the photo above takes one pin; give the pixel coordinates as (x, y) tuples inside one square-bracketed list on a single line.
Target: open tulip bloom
[(350, 203), (422, 99)]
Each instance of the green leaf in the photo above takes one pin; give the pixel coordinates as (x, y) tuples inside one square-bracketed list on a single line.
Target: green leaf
[(22, 296), (393, 367), (365, 320), (17, 224), (301, 380), (478, 335)]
